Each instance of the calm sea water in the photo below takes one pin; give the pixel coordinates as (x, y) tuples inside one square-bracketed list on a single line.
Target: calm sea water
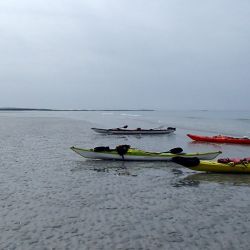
[(51, 198)]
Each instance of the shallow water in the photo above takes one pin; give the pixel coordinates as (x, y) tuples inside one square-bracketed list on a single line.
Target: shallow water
[(51, 198)]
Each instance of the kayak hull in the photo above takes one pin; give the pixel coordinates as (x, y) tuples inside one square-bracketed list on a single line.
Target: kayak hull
[(219, 139), (140, 155), (134, 131)]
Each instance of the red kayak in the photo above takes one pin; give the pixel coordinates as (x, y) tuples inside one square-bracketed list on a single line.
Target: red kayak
[(220, 139)]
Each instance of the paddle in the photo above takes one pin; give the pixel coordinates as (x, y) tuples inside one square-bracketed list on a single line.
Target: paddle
[(126, 126), (171, 128), (164, 127), (186, 162), (174, 151)]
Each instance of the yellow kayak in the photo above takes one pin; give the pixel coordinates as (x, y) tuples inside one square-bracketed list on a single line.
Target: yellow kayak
[(242, 166)]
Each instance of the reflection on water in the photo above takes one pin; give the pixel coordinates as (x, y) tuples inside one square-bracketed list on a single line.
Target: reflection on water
[(198, 143), (128, 168), (117, 171), (219, 145), (129, 165), (186, 183), (177, 171), (229, 179)]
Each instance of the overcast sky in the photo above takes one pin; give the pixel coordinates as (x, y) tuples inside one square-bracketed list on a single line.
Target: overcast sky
[(161, 54)]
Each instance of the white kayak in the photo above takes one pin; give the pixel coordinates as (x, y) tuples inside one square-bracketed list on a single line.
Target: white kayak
[(124, 131), (139, 155)]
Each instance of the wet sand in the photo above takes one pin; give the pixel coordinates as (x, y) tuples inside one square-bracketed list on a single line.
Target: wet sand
[(51, 198)]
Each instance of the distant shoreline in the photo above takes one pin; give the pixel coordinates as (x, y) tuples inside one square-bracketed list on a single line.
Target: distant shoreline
[(33, 109)]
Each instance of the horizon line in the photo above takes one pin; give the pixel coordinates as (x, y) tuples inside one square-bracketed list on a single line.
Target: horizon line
[(49, 109)]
